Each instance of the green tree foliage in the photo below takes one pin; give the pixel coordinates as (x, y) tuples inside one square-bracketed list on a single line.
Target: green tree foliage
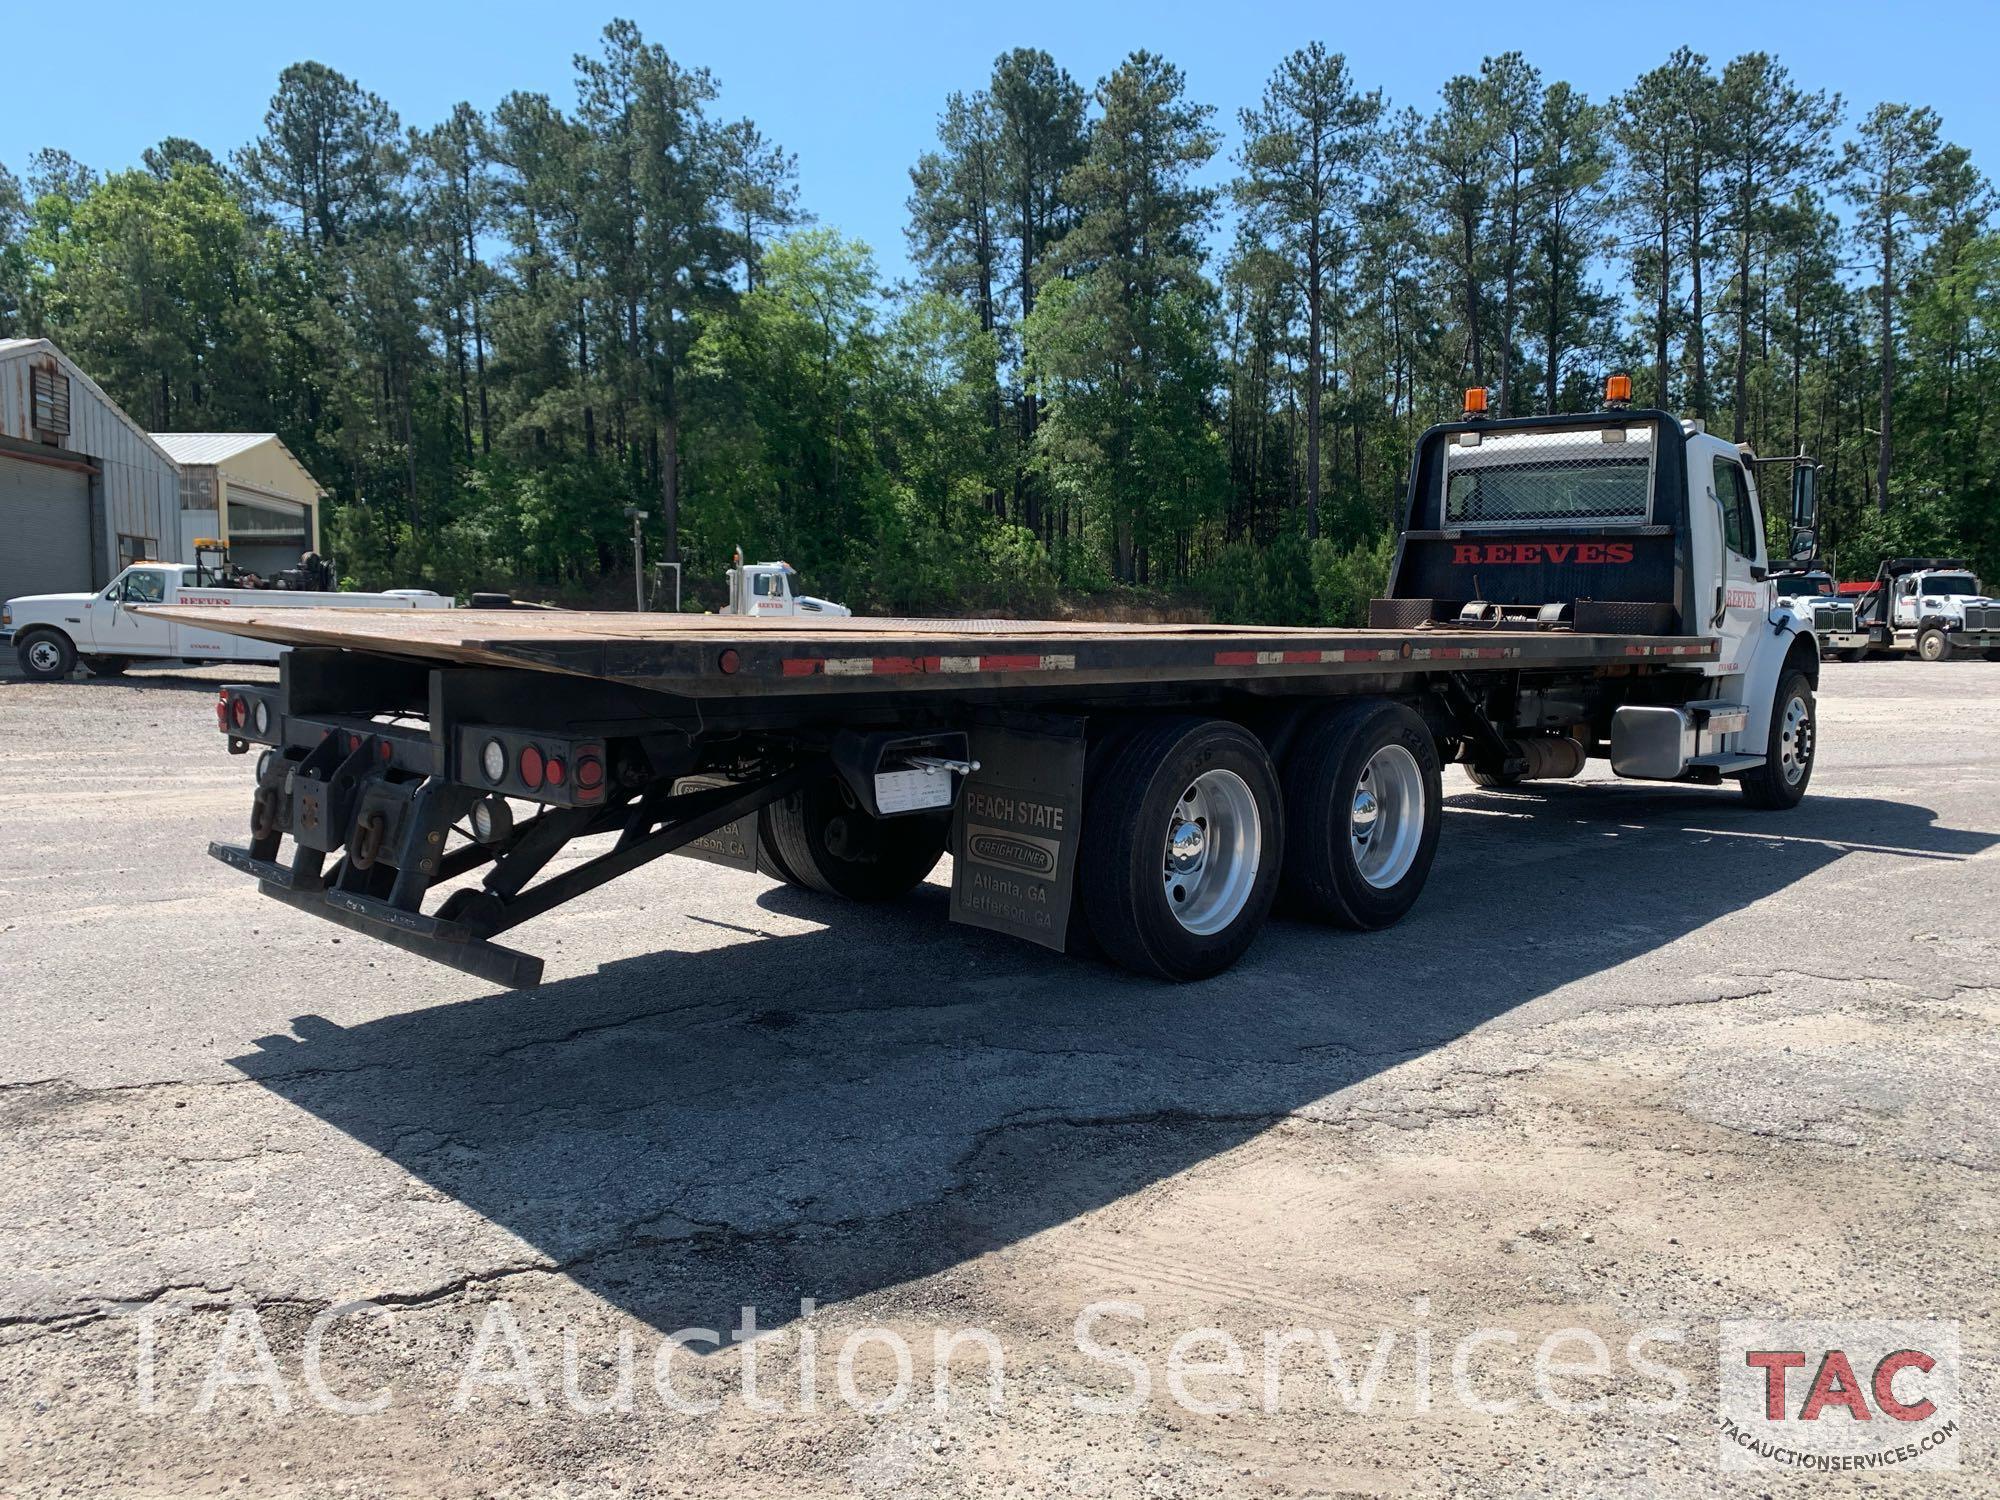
[(489, 334), (1119, 342)]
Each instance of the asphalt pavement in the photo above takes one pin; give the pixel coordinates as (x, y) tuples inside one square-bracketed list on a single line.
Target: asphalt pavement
[(1642, 1063)]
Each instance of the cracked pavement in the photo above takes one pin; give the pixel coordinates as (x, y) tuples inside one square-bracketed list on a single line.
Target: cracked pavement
[(1641, 1059)]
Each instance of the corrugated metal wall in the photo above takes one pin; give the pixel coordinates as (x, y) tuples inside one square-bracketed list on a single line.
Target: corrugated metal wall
[(137, 492)]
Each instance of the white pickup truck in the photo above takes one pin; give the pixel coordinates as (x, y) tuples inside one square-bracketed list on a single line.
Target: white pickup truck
[(53, 632)]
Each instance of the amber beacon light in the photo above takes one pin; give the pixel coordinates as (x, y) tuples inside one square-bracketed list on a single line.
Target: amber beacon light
[(1475, 401), (1617, 391)]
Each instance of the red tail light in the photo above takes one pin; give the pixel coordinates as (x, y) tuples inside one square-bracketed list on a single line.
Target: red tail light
[(531, 767), (239, 712), (557, 772), (589, 777), (222, 712)]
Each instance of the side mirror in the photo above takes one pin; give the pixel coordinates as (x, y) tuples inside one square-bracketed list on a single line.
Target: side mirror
[(1805, 498)]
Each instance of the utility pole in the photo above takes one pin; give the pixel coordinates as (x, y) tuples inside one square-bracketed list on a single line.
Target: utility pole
[(638, 517)]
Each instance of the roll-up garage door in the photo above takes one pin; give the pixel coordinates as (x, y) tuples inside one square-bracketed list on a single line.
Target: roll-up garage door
[(266, 533), (44, 529)]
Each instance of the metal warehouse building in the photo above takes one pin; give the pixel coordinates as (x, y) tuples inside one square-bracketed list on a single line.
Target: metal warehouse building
[(248, 489), (83, 489)]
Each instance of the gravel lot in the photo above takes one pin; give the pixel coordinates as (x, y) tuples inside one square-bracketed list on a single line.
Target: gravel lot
[(1642, 1059)]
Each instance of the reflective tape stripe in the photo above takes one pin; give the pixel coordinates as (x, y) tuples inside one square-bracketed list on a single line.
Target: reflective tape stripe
[(904, 666)]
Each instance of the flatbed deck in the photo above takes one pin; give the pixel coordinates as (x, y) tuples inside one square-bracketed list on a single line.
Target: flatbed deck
[(727, 655)]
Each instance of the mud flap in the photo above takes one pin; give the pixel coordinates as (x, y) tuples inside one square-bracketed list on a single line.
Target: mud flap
[(733, 844), (1014, 834)]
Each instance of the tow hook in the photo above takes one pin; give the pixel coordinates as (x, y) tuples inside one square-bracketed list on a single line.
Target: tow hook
[(367, 841), (264, 812)]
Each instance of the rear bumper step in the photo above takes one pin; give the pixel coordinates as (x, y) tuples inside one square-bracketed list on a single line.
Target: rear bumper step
[(428, 937)]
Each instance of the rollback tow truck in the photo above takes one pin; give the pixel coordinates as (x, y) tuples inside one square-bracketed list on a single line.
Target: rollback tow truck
[(1931, 608), (1591, 585)]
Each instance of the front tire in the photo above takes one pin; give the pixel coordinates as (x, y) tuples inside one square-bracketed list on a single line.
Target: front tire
[(46, 656), (1932, 645), (1364, 793), (1790, 749), (823, 840), (1182, 846)]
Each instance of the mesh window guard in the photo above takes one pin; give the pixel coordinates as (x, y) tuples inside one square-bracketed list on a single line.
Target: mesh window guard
[(1597, 475)]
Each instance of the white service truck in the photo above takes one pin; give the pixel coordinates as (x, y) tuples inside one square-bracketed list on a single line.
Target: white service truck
[(1932, 608), (51, 633)]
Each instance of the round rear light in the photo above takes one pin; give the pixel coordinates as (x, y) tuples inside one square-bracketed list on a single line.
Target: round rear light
[(263, 716), (729, 661), (492, 820), (222, 710), (386, 750), (589, 773), (531, 766), (239, 711), (493, 761), (557, 771)]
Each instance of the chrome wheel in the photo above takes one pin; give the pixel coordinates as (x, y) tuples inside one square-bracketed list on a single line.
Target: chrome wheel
[(1795, 742), (44, 655), (1386, 823), (1213, 845)]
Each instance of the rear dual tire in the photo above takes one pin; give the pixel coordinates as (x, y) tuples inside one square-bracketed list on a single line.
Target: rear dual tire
[(1182, 847), (821, 839), (1364, 798)]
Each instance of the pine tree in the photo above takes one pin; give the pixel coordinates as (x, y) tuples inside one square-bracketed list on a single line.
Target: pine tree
[(1306, 149)]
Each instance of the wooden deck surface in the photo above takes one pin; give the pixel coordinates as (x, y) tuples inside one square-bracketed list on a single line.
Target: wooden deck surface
[(734, 654)]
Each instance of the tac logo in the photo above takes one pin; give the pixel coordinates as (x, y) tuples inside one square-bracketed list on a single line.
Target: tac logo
[(1840, 1396)]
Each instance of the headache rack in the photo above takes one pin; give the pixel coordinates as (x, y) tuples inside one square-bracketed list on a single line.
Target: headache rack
[(1544, 523)]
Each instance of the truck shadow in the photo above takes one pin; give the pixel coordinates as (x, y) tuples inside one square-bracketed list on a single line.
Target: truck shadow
[(829, 1113)]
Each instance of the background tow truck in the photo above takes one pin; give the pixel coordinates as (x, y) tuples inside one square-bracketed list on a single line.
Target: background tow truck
[(771, 589), (1932, 608)]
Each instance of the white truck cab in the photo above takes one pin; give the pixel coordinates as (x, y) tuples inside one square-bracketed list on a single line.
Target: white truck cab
[(771, 590), (1759, 716), (1808, 587), (1615, 521), (1931, 607), (1939, 598), (105, 630)]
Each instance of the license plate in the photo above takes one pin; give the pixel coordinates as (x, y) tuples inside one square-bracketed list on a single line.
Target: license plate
[(911, 791)]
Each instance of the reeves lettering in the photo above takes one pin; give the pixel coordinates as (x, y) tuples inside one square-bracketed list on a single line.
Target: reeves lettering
[(1524, 553)]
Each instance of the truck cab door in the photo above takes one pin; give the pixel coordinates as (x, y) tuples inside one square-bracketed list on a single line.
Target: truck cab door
[(1745, 603), (1905, 617), (126, 632)]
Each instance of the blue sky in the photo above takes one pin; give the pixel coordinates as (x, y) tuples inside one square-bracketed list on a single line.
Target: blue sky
[(855, 89)]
